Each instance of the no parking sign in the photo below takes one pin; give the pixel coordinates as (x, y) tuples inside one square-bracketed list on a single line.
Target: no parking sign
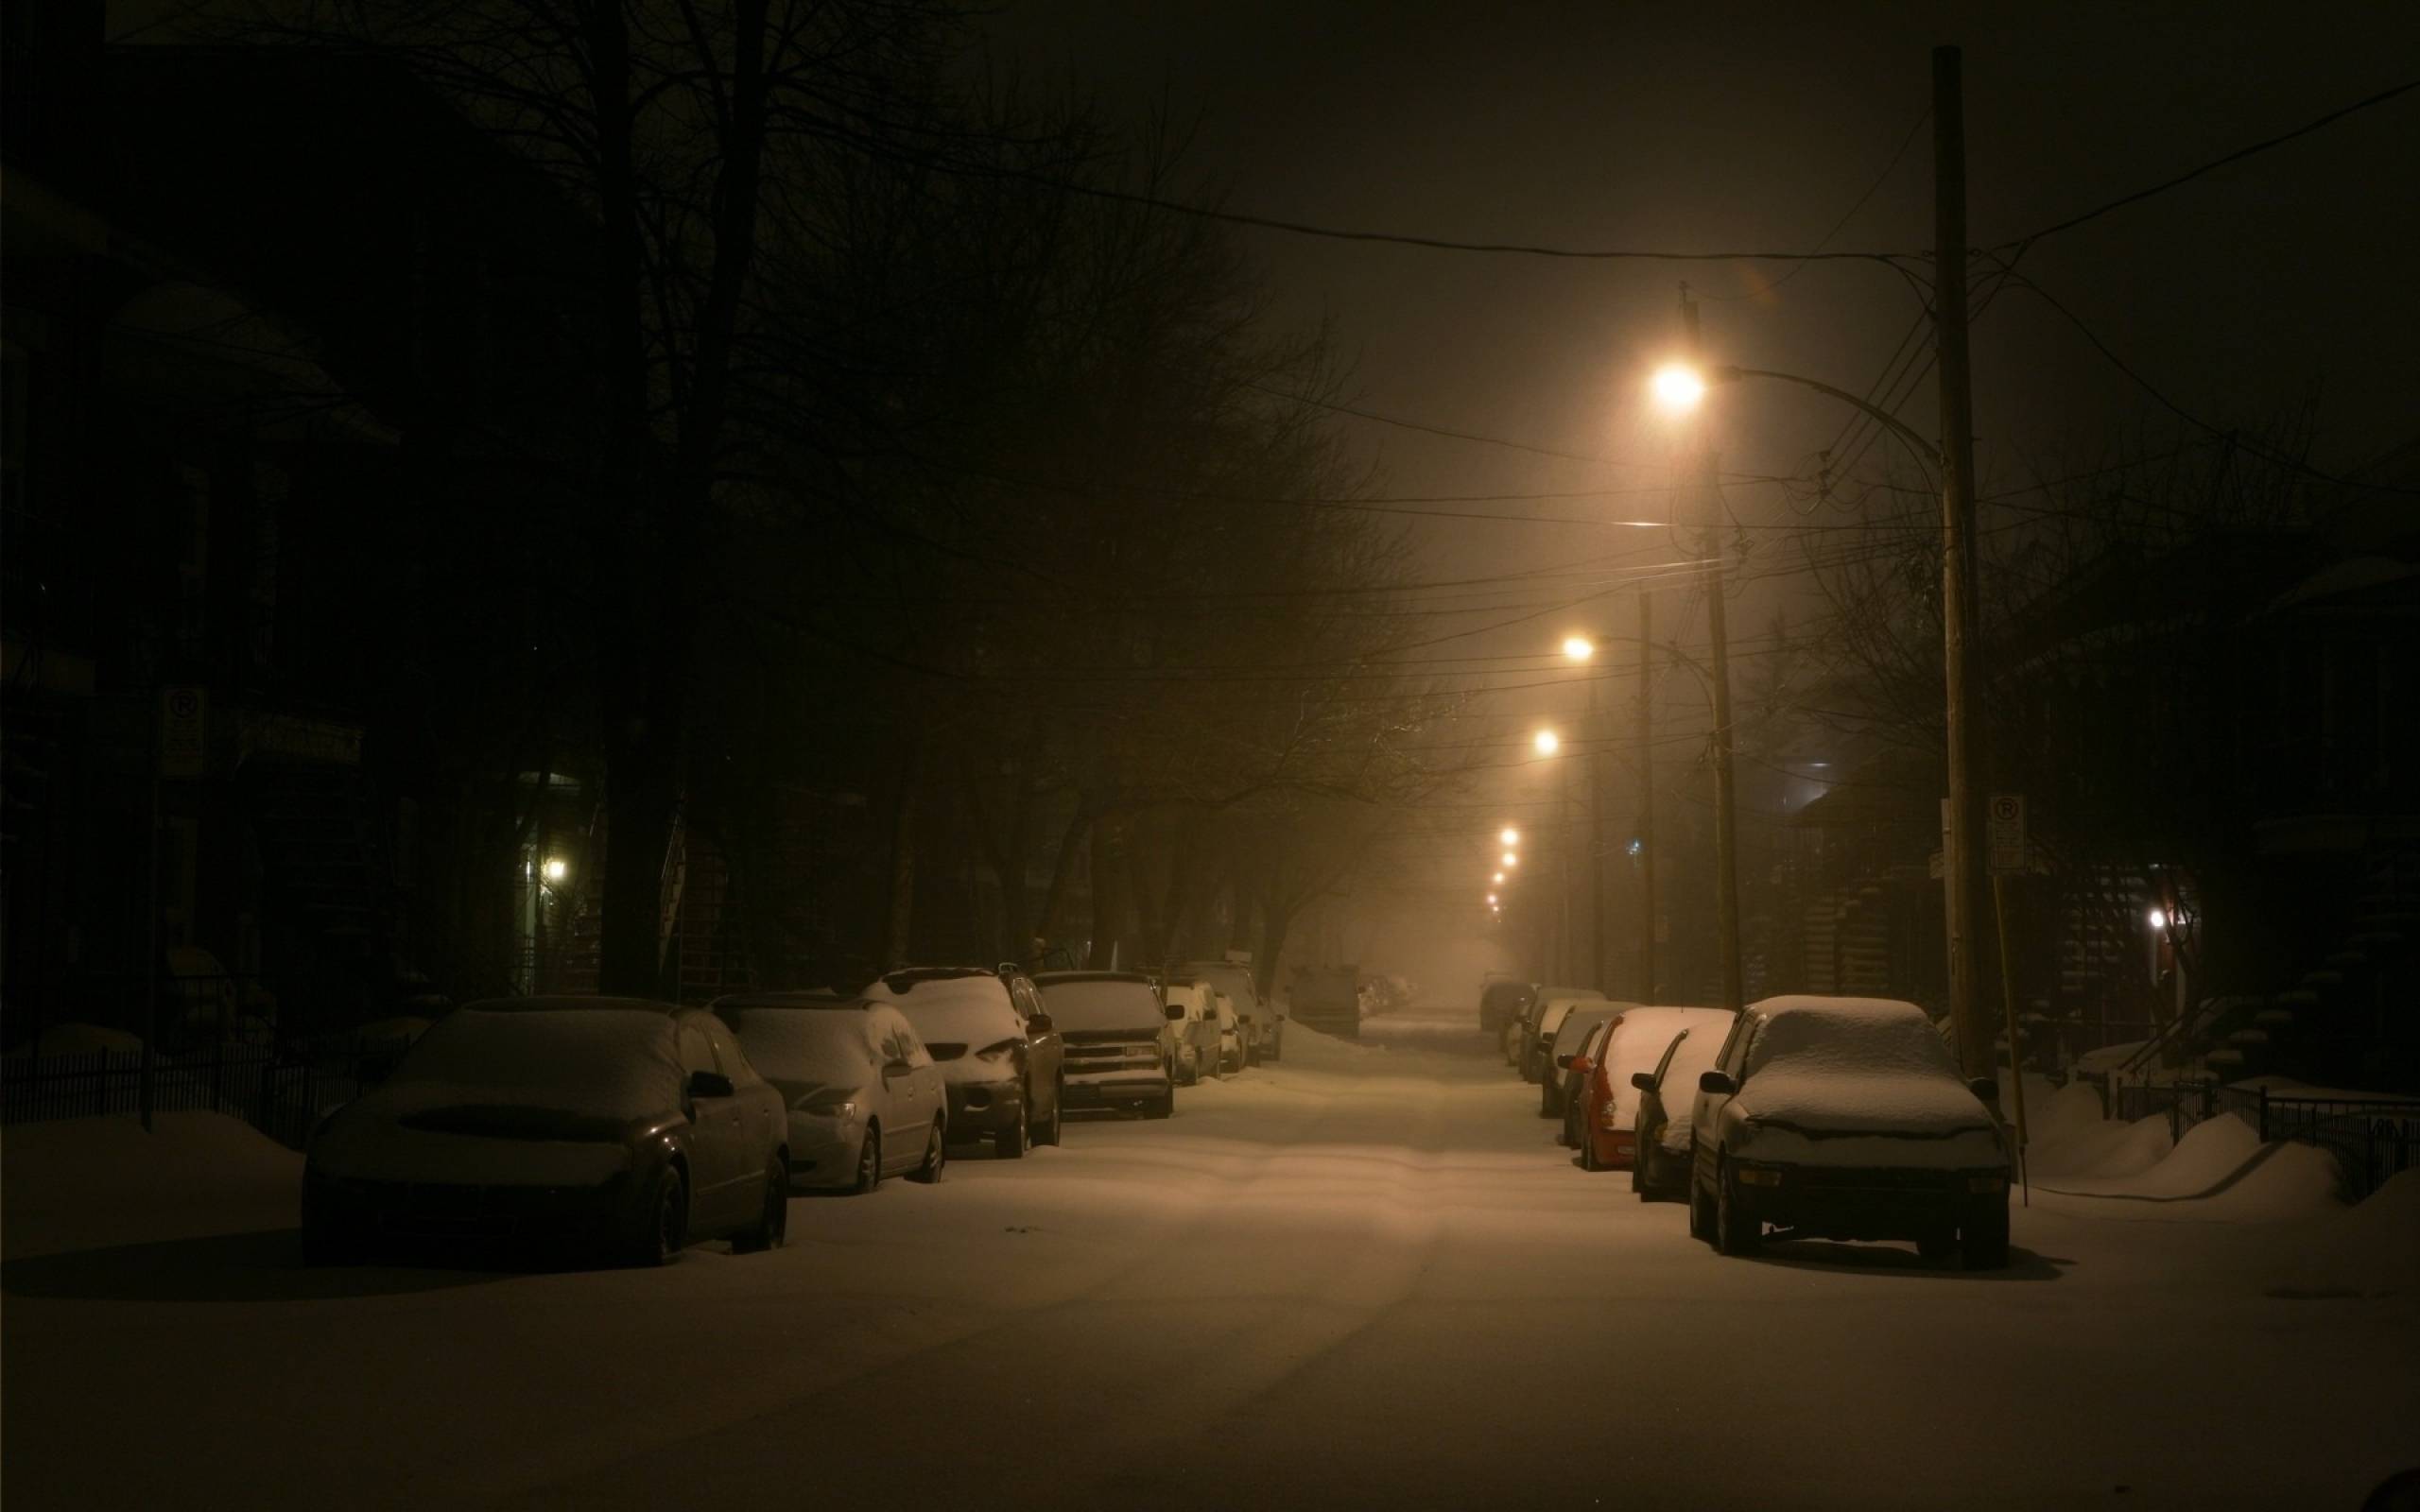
[(2004, 833)]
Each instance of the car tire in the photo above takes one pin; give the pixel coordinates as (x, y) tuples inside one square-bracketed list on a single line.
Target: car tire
[(936, 1157), (1048, 1133), (663, 1220), (1011, 1143), (773, 1222), (869, 1161), (1275, 1053), (1939, 1248), (1700, 1210), (1164, 1107), (1638, 1159), (1736, 1228), (1588, 1161), (1983, 1242), (329, 1244)]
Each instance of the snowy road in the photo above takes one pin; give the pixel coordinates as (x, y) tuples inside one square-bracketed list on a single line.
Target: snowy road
[(1365, 1277)]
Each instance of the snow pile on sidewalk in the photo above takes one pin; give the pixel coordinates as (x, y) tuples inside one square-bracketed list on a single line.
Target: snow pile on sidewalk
[(76, 1039), (84, 1182), (2368, 1250), (2219, 1170), (2069, 1137)]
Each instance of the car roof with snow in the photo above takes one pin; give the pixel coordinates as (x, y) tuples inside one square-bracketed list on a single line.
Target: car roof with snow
[(1053, 978), (573, 1005)]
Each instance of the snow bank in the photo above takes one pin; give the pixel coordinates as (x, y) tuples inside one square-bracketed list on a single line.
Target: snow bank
[(2219, 1170), (2368, 1250), (2066, 1135), (86, 1182), (81, 1039)]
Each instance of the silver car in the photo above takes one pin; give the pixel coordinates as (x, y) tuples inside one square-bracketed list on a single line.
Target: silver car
[(865, 1099)]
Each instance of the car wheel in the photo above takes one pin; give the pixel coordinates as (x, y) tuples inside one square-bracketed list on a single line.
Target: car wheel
[(935, 1156), (1939, 1248), (664, 1220), (869, 1161), (1009, 1144), (1984, 1239), (1637, 1169), (1275, 1053), (1588, 1161), (1701, 1209), (1736, 1229), (773, 1223), (329, 1244), (1048, 1133), (1164, 1107)]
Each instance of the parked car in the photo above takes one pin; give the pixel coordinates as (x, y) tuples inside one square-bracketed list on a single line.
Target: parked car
[(1635, 1042), (1561, 1078), (1001, 1069), (1501, 1000), (1260, 1022), (624, 1127), (1659, 1167), (1331, 999), (1845, 1118), (1231, 1034), (1523, 1038), (863, 1096), (1121, 1051), (1200, 1049), (1553, 1004)]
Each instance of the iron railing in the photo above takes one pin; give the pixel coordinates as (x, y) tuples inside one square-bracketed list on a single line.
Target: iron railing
[(283, 1090), (2372, 1137)]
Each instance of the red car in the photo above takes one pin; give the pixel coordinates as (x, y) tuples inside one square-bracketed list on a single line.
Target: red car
[(1632, 1042)]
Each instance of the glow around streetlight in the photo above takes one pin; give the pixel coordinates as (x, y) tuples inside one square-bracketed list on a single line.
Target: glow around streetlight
[(1498, 879), (555, 870), (1578, 647), (1511, 835), (1546, 742), (1491, 899), (1677, 388), (1510, 861)]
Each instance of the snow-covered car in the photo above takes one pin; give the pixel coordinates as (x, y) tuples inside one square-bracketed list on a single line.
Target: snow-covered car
[(1500, 1000), (1260, 1021), (1845, 1118), (1121, 1051), (863, 1095), (1659, 1167), (1553, 1003), (1198, 1050), (1636, 1041), (1000, 1068), (1231, 1033), (617, 1127), (1561, 1078)]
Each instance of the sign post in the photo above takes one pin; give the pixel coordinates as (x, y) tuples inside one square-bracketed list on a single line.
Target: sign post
[(2004, 837)]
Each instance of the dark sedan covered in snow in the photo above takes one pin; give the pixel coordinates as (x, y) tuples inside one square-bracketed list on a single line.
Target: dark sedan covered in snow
[(614, 1127), (1847, 1118)]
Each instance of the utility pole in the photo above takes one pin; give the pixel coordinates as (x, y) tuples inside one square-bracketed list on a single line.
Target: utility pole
[(1963, 859), (1564, 965), (1726, 829), (1597, 862), (1646, 795)]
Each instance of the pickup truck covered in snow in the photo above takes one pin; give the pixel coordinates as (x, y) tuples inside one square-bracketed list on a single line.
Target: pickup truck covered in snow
[(1121, 1047)]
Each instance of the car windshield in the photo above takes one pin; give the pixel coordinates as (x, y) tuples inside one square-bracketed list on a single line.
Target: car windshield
[(800, 1048), (616, 1062), (1234, 981), (1081, 1006), (955, 1011)]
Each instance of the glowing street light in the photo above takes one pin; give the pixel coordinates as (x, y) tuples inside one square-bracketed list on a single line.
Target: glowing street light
[(1510, 861), (1511, 835), (555, 870), (1491, 899), (1546, 742), (1678, 388), (1498, 879), (2159, 919), (1578, 647)]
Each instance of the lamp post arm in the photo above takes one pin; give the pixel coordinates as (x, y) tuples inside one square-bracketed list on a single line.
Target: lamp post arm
[(1883, 417)]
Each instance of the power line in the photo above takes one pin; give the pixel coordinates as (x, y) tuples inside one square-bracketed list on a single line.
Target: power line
[(1846, 215), (2211, 166)]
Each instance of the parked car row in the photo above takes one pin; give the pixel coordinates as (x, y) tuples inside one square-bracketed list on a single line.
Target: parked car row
[(1797, 1117), (627, 1130)]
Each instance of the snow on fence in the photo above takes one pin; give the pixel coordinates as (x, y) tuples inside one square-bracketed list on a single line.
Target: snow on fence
[(2372, 1137), (282, 1090)]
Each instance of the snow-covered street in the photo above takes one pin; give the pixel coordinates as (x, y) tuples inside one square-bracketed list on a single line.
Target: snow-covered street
[(1364, 1277)]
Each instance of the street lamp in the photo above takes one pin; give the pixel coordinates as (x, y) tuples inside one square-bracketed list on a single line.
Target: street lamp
[(1511, 835), (1546, 742), (1578, 647), (1498, 879), (1679, 389), (1511, 860)]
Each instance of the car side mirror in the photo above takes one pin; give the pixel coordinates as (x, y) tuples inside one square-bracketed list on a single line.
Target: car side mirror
[(1717, 1082), (1005, 970), (710, 1084), (1040, 1023), (1176, 1011), (1643, 1080), (1568, 1062), (1986, 1088)]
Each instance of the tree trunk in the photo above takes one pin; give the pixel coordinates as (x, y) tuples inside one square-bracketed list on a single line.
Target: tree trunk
[(903, 867), (1108, 874), (1276, 921), (1063, 872)]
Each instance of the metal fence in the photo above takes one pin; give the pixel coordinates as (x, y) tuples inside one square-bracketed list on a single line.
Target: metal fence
[(2372, 1137), (283, 1090)]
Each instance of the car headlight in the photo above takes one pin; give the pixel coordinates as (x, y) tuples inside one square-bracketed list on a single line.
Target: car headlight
[(828, 1103)]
